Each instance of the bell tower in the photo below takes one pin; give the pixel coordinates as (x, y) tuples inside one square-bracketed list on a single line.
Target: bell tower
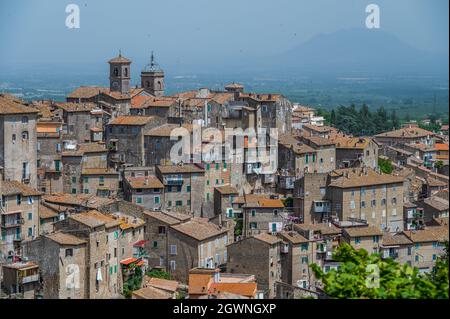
[(152, 78), (119, 74)]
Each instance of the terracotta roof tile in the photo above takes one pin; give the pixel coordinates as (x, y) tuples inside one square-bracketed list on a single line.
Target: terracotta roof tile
[(362, 231), (132, 120), (94, 219), (16, 188), (144, 182), (199, 229), (11, 105), (65, 239), (357, 177)]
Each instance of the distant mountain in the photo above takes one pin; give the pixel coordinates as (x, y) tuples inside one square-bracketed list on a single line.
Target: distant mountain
[(358, 51)]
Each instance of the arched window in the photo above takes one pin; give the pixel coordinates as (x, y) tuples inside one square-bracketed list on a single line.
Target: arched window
[(13, 138), (24, 119), (116, 72), (25, 135), (159, 85), (126, 71), (147, 84)]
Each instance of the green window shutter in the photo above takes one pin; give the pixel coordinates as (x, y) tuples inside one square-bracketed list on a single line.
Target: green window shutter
[(207, 196), (224, 165), (188, 188), (157, 200), (306, 158), (208, 166), (110, 270), (217, 166), (115, 269), (155, 244)]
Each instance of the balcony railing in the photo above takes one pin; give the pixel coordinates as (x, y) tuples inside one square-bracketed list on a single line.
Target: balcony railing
[(174, 181), (12, 223)]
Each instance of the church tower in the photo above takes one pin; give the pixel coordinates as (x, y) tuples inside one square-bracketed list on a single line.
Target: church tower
[(152, 78), (119, 74)]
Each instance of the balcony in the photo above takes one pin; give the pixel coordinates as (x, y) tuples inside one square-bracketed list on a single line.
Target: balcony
[(12, 223), (322, 207), (28, 279)]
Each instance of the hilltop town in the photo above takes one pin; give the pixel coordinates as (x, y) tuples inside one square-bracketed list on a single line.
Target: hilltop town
[(94, 205)]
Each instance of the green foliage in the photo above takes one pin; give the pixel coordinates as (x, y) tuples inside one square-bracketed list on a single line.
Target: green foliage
[(159, 273), (361, 122), (439, 164), (181, 294), (396, 281), (288, 202), (439, 275), (385, 165), (133, 283), (239, 226)]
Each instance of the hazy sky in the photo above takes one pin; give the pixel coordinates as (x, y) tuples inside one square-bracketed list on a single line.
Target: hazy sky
[(199, 31)]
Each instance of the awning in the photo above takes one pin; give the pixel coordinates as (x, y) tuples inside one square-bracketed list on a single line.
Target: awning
[(128, 261), (140, 243)]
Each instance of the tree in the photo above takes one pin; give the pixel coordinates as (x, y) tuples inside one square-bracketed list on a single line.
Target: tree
[(395, 121), (439, 275), (439, 164), (333, 117), (385, 165), (364, 276)]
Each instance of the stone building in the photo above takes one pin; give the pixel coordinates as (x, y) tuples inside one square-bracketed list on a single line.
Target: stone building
[(260, 256), (178, 242), (324, 131), (428, 245), (81, 157), (157, 143), (49, 149), (102, 235), (261, 215), (19, 214), (398, 247), (310, 201), (406, 135), (18, 140), (365, 194), (183, 187), (62, 265), (48, 215), (102, 182), (300, 156), (356, 152), (21, 278), (223, 207), (363, 237), (80, 119), (164, 106), (125, 138), (152, 78), (147, 191), (296, 255), (273, 111)]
